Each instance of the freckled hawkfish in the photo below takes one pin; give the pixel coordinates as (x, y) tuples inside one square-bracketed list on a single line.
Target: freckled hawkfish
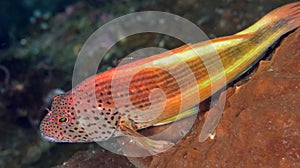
[(89, 112)]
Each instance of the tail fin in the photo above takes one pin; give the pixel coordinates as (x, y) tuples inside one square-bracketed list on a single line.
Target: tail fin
[(284, 19)]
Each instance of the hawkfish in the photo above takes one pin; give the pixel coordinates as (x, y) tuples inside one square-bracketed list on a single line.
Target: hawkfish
[(99, 107)]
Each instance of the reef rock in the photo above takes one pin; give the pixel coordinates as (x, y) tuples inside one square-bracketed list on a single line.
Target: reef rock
[(260, 124)]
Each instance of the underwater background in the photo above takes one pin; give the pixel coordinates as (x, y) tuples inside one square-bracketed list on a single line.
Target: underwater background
[(39, 43)]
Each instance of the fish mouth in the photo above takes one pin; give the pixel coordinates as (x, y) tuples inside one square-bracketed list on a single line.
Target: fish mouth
[(51, 139), (47, 137)]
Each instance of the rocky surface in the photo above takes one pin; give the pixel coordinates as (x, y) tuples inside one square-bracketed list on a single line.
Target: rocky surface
[(260, 124), (96, 158)]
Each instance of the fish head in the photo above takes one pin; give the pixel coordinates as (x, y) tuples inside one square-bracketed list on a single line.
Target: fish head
[(60, 124), (68, 121)]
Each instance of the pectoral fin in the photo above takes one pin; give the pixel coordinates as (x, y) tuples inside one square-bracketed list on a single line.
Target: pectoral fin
[(152, 146)]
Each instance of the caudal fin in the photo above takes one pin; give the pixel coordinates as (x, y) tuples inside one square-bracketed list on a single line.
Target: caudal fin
[(284, 19)]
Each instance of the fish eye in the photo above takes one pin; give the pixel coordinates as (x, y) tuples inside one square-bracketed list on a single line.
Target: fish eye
[(63, 119)]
